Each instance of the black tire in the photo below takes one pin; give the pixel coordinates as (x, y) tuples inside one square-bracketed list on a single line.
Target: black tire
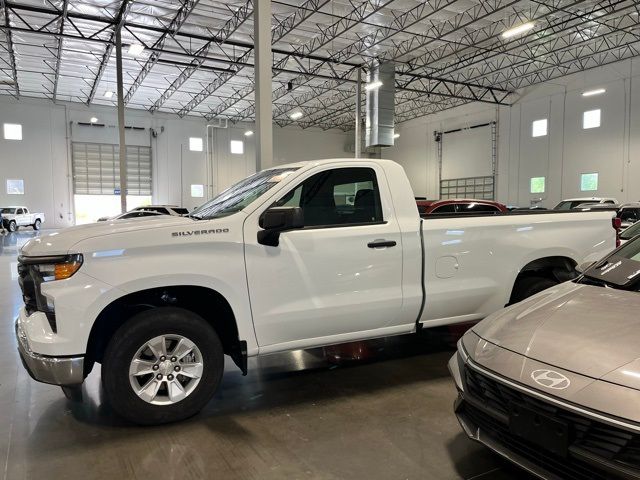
[(529, 286), (13, 226), (131, 336), (36, 225)]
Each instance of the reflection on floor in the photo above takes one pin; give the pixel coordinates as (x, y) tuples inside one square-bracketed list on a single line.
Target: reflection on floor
[(380, 410)]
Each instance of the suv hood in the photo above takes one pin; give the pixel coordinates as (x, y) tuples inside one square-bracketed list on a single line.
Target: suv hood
[(62, 242), (593, 331)]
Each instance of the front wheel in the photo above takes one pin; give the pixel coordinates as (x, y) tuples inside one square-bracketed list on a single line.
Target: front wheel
[(13, 226), (161, 366), (37, 224)]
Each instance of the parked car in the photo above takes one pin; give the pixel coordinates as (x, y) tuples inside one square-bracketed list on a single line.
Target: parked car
[(274, 264), (553, 383), (462, 205), (161, 209), (134, 214), (15, 217), (571, 203), (628, 213)]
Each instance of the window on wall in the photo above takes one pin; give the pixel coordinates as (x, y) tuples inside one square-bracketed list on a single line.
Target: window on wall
[(12, 131), (537, 185), (237, 147), (588, 182), (195, 144), (591, 119), (539, 128), (197, 191), (15, 187)]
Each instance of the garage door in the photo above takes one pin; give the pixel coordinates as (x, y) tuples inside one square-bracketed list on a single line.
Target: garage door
[(96, 169), (467, 162)]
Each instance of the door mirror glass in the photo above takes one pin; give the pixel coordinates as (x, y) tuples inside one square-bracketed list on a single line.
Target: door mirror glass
[(276, 220)]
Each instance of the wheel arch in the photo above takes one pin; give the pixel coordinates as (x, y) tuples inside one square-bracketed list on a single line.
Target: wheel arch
[(559, 268), (206, 302)]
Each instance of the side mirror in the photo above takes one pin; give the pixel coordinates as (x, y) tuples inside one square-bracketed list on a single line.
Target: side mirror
[(277, 220), (583, 267)]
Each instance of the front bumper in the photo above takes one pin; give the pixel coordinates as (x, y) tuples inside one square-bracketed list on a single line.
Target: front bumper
[(484, 424), (47, 369)]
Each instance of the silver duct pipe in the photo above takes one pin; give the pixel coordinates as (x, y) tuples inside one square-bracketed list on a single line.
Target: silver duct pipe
[(380, 89)]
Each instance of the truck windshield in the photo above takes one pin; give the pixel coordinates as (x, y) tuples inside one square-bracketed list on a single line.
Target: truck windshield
[(620, 270), (240, 195), (9, 211)]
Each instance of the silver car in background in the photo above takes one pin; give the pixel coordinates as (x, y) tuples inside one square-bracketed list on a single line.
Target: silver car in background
[(553, 383)]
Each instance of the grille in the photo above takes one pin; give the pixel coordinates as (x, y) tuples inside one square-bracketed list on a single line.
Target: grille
[(29, 279), (605, 444)]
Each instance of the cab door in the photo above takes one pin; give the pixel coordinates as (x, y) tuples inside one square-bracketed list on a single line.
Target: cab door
[(341, 273)]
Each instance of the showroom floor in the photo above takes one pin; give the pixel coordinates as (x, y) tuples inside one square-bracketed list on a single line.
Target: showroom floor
[(299, 415)]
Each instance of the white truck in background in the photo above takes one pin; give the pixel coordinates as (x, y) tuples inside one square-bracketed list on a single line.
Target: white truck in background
[(15, 217), (297, 256)]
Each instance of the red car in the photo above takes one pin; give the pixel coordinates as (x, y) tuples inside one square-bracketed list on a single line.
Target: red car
[(463, 205)]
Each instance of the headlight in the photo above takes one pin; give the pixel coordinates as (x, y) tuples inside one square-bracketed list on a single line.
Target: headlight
[(55, 267)]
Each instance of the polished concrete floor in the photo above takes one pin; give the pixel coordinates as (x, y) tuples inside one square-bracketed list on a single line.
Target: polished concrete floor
[(304, 415)]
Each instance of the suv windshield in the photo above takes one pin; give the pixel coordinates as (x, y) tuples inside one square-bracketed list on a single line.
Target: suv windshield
[(620, 270), (243, 193)]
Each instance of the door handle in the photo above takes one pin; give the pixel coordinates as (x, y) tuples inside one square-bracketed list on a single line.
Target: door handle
[(381, 243)]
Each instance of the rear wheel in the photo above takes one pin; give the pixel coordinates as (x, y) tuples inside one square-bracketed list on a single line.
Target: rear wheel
[(13, 226), (161, 366), (37, 224), (529, 286)]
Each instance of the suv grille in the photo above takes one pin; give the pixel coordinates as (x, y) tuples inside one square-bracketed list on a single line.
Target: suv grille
[(30, 279), (591, 442)]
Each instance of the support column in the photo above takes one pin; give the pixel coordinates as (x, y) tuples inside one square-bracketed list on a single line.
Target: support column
[(358, 133), (123, 145), (263, 89)]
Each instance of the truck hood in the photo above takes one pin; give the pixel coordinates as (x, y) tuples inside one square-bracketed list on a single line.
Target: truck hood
[(593, 331), (62, 242)]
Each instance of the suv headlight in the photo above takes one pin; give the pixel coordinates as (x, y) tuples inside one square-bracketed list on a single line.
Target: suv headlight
[(59, 267)]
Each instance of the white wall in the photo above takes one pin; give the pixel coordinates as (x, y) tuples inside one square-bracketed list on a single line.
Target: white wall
[(613, 150), (43, 160)]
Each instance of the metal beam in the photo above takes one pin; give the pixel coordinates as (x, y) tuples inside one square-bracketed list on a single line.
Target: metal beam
[(63, 18), (119, 22), (121, 131), (308, 8), (183, 13), (359, 13), (238, 18), (264, 127), (12, 56)]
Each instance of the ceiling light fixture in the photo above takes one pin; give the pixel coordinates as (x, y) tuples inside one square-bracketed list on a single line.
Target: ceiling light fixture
[(512, 32), (295, 115), (108, 94), (248, 133), (94, 119), (135, 49), (373, 85), (591, 93)]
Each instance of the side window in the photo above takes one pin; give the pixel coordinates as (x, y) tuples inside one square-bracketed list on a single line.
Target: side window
[(337, 197), (478, 208), (449, 208), (19, 212)]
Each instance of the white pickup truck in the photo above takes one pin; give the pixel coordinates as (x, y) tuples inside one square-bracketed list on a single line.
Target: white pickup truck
[(14, 217), (297, 256)]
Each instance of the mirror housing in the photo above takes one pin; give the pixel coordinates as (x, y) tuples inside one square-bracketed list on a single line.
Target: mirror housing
[(277, 220)]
